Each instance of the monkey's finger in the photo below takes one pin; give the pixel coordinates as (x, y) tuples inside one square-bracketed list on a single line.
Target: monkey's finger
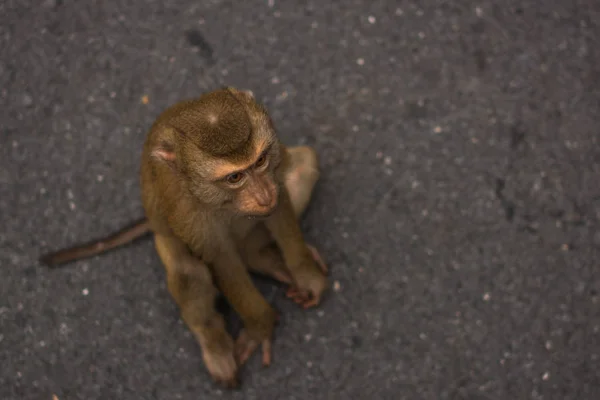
[(266, 348), (244, 348), (297, 295), (310, 303), (247, 352), (240, 345), (318, 259), (293, 292), (301, 300)]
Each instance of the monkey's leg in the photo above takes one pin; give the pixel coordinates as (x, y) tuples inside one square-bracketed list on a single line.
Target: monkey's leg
[(190, 283), (301, 177)]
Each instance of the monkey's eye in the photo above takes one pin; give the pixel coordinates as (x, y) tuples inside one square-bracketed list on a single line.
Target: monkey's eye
[(261, 160), (234, 178)]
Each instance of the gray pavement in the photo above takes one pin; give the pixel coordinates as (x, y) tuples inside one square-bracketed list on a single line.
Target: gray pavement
[(459, 205)]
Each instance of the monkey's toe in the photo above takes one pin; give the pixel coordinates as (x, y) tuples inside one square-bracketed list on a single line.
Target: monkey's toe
[(245, 346)]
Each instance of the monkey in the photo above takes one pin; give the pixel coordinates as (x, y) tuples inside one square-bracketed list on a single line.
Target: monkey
[(222, 197)]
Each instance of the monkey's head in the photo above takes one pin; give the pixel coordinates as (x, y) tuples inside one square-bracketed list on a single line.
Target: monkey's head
[(223, 145)]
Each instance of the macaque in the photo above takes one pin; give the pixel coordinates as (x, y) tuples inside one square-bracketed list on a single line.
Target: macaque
[(223, 197)]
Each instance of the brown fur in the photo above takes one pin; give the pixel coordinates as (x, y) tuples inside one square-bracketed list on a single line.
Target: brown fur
[(211, 227)]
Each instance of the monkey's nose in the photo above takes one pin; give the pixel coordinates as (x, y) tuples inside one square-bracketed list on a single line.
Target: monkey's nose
[(264, 199)]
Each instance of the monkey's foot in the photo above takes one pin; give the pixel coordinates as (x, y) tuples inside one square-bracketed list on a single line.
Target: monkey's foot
[(222, 368), (304, 297), (245, 346)]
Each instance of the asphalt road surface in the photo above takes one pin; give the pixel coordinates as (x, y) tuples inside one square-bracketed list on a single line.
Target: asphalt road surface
[(459, 205)]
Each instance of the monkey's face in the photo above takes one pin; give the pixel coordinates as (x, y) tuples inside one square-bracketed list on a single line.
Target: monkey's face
[(247, 186), (253, 191)]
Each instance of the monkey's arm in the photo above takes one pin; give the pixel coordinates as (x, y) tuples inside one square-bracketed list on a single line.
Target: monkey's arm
[(284, 227), (306, 269), (258, 316)]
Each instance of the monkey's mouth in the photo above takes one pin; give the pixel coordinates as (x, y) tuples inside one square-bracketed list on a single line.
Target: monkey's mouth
[(263, 214)]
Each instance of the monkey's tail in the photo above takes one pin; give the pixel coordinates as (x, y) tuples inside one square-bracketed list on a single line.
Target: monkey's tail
[(124, 236)]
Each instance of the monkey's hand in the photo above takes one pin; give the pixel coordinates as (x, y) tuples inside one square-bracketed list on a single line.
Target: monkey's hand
[(310, 281), (257, 331)]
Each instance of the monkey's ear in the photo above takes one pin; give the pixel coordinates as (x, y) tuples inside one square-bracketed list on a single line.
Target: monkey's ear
[(244, 92), (164, 152)]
